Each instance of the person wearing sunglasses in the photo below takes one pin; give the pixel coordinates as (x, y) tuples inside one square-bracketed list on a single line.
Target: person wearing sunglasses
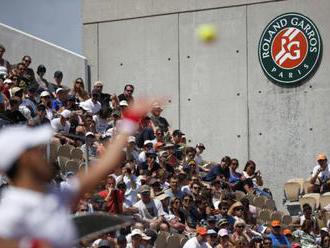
[(240, 233), (127, 95)]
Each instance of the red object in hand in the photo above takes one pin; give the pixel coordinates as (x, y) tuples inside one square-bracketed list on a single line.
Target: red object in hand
[(132, 116)]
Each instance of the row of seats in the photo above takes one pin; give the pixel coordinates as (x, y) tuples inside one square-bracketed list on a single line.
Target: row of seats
[(67, 164), (167, 240)]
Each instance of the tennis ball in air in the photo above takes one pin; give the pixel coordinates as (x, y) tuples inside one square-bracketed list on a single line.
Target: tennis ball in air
[(207, 33)]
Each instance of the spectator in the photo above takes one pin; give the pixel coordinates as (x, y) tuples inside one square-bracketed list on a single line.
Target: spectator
[(58, 77), (46, 101), (267, 242), (92, 105), (127, 95), (7, 85), (235, 176), (42, 82), (113, 197), (104, 97), (4, 64), (278, 239), (78, 90), (199, 150), (41, 118), (250, 172), (101, 121), (89, 148), (145, 132), (240, 233), (13, 115), (174, 190), (29, 73), (177, 138), (150, 166), (62, 124), (220, 171), (321, 175), (156, 118), (223, 210), (305, 235), (150, 210), (224, 239), (59, 101), (199, 241)]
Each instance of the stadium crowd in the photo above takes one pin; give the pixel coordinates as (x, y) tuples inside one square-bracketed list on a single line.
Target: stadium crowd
[(163, 183)]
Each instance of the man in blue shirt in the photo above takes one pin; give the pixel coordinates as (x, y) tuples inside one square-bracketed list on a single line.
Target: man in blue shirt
[(278, 239), (59, 102)]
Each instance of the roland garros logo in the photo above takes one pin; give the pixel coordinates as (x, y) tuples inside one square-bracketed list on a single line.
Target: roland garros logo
[(290, 49)]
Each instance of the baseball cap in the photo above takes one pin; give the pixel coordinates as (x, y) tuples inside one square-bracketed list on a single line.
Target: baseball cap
[(321, 156), (8, 81), (223, 232), (152, 181), (65, 113), (98, 83), (136, 232), (123, 103), (177, 132), (131, 139), (146, 142), (201, 230), (211, 231), (222, 222), (212, 218), (275, 223), (59, 90), (15, 140), (44, 93), (14, 90), (144, 188), (145, 237), (156, 105), (90, 134), (101, 243)]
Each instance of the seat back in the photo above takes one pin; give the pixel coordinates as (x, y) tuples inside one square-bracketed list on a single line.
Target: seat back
[(260, 201), (324, 200), (161, 241), (292, 191), (174, 241), (72, 165), (308, 200), (76, 154), (65, 150), (62, 162)]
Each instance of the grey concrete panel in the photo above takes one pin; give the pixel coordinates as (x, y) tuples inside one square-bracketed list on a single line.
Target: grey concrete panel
[(143, 52), (213, 86), (55, 58), (106, 10), (90, 43), (288, 126)]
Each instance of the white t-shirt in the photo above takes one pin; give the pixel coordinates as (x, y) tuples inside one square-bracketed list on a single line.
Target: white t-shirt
[(153, 209), (323, 176), (57, 125), (193, 243), (29, 214), (90, 106)]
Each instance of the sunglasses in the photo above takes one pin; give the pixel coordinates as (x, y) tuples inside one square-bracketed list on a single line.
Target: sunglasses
[(240, 226), (129, 90), (186, 200), (26, 60)]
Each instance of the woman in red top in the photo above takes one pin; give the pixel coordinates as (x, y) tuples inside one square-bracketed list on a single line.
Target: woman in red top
[(113, 197)]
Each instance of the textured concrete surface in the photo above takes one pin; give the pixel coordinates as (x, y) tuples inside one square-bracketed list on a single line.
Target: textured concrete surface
[(55, 58), (219, 86)]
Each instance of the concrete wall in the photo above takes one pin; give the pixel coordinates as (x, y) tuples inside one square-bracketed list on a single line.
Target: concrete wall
[(55, 58), (219, 94)]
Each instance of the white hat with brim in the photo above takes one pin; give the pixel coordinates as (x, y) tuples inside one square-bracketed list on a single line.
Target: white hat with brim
[(123, 103), (8, 81), (15, 140), (136, 232), (65, 113), (44, 93)]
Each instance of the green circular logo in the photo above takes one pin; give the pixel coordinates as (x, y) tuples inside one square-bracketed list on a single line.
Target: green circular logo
[(290, 49)]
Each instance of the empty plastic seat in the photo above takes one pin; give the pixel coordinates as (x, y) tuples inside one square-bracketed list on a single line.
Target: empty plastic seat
[(276, 215), (324, 200), (265, 215), (307, 186), (286, 219), (72, 165), (260, 201), (174, 241), (270, 204), (300, 181), (239, 195), (292, 191), (62, 162), (312, 199)]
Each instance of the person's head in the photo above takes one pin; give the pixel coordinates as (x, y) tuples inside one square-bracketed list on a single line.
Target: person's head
[(98, 86), (136, 237), (78, 84), (223, 208), (128, 90), (26, 60), (111, 182), (25, 157), (175, 203), (223, 224), (307, 210), (174, 183), (267, 242), (147, 145), (151, 157), (239, 226), (211, 221), (18, 92), (14, 103), (20, 68), (186, 201), (121, 241), (325, 241), (234, 164), (322, 160), (195, 188), (159, 134), (225, 162), (177, 135), (288, 234), (307, 226), (236, 209), (32, 91), (241, 242), (65, 116), (58, 76), (155, 185), (212, 237), (156, 109), (95, 95), (250, 167), (190, 153), (45, 98), (256, 242), (200, 148), (224, 236), (41, 70), (2, 50), (41, 111), (276, 227), (145, 193), (201, 233), (61, 94)]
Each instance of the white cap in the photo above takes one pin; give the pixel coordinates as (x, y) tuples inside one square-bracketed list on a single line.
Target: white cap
[(223, 232), (123, 103), (145, 236), (66, 113), (90, 134), (131, 139), (44, 93), (211, 231), (325, 229), (15, 140), (8, 81), (98, 83), (136, 232), (58, 90), (146, 142)]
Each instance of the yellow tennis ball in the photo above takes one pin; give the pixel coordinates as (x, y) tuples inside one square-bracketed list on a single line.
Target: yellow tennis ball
[(207, 33)]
